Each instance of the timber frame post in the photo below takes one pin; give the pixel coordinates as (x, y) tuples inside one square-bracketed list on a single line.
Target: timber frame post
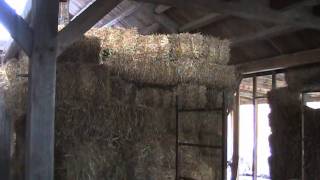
[(42, 81), (42, 43)]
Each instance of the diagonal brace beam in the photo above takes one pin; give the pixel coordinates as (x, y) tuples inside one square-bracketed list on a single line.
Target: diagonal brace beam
[(19, 29), (83, 22)]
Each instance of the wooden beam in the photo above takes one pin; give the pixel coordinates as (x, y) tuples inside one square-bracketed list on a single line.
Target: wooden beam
[(167, 23), (123, 15), (252, 10), (202, 22), (42, 81), (161, 9), (14, 48), (83, 22), (18, 28), (281, 62), (265, 34), (236, 118), (5, 140)]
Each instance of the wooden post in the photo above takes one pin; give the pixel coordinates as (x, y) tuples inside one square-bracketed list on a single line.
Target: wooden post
[(302, 136), (255, 129), (42, 78), (235, 158), (5, 139)]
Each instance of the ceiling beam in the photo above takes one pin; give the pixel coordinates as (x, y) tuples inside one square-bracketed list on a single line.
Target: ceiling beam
[(264, 34), (161, 9), (82, 22), (202, 22), (167, 23), (108, 22), (17, 26), (281, 62), (252, 10)]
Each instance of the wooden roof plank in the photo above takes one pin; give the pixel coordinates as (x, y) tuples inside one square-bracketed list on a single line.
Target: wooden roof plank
[(202, 22), (281, 62), (252, 10), (83, 22)]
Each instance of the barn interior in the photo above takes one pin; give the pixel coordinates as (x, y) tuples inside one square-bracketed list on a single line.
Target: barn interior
[(159, 89)]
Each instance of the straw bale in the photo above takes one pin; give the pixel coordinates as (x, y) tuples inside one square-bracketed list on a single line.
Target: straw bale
[(109, 125), (127, 43), (17, 87), (303, 78), (153, 72), (193, 164), (159, 59), (285, 140), (192, 96), (87, 50)]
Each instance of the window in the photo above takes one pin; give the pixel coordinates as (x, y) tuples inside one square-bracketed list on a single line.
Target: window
[(254, 129)]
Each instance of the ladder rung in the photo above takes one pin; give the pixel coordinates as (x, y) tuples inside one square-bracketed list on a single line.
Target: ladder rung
[(200, 145), (200, 110), (185, 178)]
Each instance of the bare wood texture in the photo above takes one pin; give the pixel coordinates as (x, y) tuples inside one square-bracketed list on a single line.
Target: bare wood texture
[(122, 16), (235, 157), (167, 23), (83, 22), (41, 102), (264, 34), (17, 26), (161, 9), (5, 139), (281, 62), (202, 22), (246, 10)]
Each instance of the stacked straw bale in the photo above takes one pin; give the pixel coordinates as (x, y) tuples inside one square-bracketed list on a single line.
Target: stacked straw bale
[(303, 78), (115, 108), (285, 140), (166, 59)]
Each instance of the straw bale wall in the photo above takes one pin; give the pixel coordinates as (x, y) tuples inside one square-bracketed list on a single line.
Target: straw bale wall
[(111, 126)]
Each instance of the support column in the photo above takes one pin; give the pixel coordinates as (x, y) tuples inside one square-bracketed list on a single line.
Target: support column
[(42, 82)]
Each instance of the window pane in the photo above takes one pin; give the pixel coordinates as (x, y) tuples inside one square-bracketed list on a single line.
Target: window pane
[(280, 80), (264, 85), (263, 150)]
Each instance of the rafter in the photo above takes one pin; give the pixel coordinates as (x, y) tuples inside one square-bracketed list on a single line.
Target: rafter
[(17, 26), (167, 23), (281, 62), (110, 22), (245, 10), (264, 34), (161, 9), (204, 21), (83, 22)]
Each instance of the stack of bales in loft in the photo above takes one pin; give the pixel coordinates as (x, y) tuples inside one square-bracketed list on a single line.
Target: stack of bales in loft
[(115, 105), (285, 122)]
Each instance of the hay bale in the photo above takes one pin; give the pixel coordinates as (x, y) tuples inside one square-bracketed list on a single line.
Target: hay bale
[(105, 107), (127, 43), (161, 59), (87, 50), (303, 78), (285, 140)]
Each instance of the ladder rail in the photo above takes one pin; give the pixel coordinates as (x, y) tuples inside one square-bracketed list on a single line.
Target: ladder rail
[(222, 147)]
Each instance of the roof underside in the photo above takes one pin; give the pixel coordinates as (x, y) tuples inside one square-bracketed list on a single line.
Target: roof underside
[(254, 40)]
